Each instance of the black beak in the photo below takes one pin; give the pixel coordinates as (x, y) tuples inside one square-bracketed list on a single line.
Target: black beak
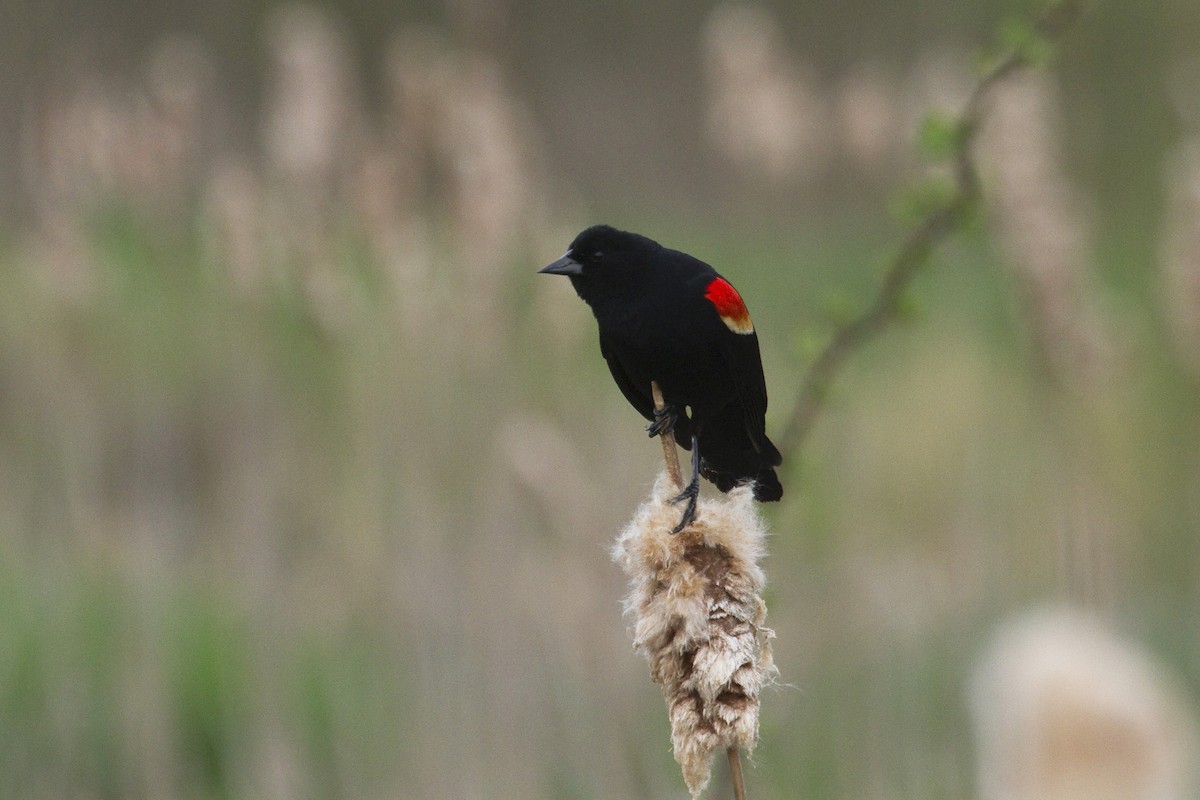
[(563, 266)]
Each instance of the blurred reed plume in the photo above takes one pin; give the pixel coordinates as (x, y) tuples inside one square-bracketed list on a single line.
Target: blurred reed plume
[(699, 616), (90, 138), (764, 112), (769, 114), (90, 141), (1180, 253), (867, 115), (451, 150), (314, 113), (1042, 227), (1065, 709)]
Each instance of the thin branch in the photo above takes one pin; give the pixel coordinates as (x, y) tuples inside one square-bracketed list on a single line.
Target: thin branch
[(935, 229)]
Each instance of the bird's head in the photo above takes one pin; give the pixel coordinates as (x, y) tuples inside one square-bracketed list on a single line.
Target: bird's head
[(603, 261)]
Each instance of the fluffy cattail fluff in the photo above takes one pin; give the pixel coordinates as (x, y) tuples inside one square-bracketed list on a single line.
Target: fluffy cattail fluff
[(697, 601)]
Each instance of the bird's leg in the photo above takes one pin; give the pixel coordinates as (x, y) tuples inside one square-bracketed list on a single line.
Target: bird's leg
[(664, 421), (690, 492)]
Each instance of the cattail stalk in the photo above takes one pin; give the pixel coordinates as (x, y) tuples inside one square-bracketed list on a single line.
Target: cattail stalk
[(670, 452), (699, 618)]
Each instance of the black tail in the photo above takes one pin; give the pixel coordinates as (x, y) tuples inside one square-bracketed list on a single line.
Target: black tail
[(725, 475), (728, 458)]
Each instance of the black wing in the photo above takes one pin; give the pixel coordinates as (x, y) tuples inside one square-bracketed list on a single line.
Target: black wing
[(743, 363), (741, 354), (641, 398)]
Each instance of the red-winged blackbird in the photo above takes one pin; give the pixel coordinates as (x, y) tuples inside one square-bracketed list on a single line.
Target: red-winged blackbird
[(668, 317)]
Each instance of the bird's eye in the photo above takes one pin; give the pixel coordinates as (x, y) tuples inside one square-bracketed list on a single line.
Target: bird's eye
[(598, 255)]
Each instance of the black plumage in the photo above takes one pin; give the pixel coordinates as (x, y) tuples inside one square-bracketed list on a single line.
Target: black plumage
[(668, 317)]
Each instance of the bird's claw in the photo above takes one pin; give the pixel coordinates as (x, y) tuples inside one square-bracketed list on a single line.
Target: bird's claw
[(664, 422), (689, 493)]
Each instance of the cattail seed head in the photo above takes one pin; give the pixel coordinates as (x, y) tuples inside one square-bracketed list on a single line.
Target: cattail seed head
[(1066, 708), (696, 598)]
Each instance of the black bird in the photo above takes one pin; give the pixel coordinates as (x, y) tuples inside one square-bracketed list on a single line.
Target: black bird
[(668, 317)]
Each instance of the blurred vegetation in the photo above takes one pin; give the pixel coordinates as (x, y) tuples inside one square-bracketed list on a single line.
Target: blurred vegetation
[(307, 482)]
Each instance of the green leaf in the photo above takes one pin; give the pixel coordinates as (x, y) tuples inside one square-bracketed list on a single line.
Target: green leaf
[(985, 60), (808, 344), (940, 136), (927, 196), (1020, 36), (839, 307), (1015, 32)]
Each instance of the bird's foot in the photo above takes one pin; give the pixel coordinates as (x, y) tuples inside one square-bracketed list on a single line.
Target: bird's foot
[(664, 421), (690, 493)]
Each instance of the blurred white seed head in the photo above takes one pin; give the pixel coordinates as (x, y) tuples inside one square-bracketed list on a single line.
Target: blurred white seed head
[(89, 139), (184, 116), (419, 66), (469, 148), (1064, 709), (696, 599), (482, 140), (764, 112), (385, 197), (1042, 225), (180, 75), (454, 107), (311, 115), (867, 110), (88, 136), (233, 215), (1180, 254), (543, 460)]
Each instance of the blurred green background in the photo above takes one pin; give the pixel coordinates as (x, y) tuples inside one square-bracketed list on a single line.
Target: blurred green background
[(307, 481)]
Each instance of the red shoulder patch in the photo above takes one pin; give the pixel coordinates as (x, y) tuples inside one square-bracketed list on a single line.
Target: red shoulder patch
[(729, 305)]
